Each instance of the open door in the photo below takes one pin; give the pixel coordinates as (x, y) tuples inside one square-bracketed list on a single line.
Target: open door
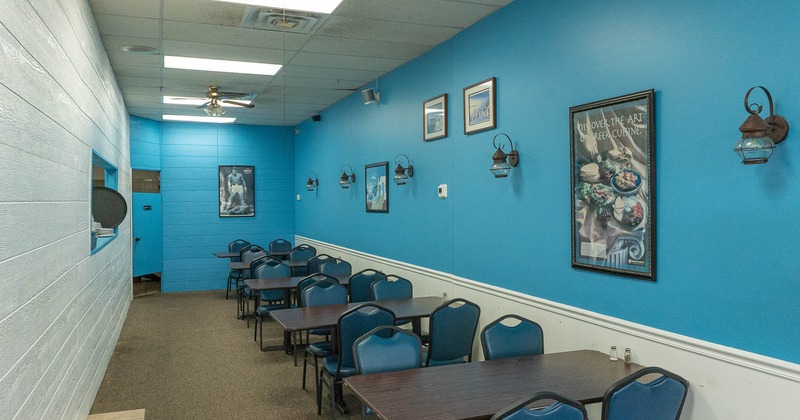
[(147, 228)]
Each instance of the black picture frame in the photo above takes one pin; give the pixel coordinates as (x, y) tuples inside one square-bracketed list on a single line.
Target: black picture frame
[(480, 106), (376, 187), (237, 192), (434, 118), (612, 173)]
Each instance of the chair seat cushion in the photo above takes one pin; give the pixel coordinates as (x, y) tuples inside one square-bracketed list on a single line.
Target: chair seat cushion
[(264, 310), (320, 331), (320, 348), (330, 364)]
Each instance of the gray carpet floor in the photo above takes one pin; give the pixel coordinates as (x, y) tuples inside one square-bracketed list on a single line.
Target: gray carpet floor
[(186, 356)]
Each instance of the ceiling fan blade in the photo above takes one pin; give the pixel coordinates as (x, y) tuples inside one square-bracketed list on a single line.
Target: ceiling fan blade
[(231, 94), (227, 101)]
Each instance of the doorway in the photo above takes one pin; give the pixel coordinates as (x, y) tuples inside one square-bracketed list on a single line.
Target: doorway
[(147, 232)]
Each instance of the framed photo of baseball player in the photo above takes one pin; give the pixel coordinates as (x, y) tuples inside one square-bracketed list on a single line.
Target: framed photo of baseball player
[(237, 191)]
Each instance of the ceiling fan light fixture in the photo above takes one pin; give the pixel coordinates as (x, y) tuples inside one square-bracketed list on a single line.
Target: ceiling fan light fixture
[(224, 66), (214, 109)]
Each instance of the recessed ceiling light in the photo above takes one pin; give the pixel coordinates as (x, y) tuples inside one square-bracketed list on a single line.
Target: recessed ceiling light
[(225, 66), (183, 100), (319, 6), (138, 49), (198, 119)]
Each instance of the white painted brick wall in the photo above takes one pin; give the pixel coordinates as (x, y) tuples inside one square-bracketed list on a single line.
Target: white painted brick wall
[(61, 308)]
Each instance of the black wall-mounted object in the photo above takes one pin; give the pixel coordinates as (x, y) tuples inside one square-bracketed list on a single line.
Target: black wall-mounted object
[(108, 207), (316, 118)]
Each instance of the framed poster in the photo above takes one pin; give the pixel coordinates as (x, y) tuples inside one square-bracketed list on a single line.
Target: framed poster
[(434, 118), (237, 191), (613, 185), (377, 190), (480, 107)]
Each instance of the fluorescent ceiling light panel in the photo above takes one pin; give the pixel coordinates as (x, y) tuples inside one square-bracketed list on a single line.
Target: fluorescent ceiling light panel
[(198, 119), (319, 6), (183, 100), (225, 66)]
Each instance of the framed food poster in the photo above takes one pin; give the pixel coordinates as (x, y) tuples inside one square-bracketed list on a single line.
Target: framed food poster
[(377, 190), (613, 181), (237, 191)]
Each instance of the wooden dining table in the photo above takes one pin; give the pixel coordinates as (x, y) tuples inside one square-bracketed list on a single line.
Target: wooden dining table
[(226, 254), (478, 390), (313, 317), (287, 284)]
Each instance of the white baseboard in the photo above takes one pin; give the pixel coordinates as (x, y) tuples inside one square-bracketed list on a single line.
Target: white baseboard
[(725, 383)]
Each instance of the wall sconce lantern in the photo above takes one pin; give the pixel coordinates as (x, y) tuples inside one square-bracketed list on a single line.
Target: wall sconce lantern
[(345, 179), (402, 174), (760, 136), (370, 96), (312, 182), (503, 162)]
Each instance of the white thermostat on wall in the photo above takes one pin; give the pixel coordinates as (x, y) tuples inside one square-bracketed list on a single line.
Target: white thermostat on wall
[(443, 191)]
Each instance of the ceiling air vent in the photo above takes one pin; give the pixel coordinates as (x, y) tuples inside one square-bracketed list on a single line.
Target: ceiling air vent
[(276, 20)]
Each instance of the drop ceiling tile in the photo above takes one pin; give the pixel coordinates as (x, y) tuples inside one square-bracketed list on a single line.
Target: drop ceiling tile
[(213, 12), (222, 35), (127, 26), (410, 33), (364, 47), (138, 8), (223, 52), (345, 61), (424, 12)]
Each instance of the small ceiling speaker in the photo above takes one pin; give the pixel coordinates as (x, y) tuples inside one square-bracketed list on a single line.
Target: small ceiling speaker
[(316, 118), (370, 96)]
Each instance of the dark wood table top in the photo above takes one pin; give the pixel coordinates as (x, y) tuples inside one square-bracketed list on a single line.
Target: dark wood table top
[(226, 254), (306, 318), (283, 282), (478, 390)]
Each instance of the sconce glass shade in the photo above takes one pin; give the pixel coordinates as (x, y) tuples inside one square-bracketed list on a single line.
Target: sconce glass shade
[(500, 168), (760, 136), (312, 182), (502, 162), (400, 176), (310, 185), (344, 181)]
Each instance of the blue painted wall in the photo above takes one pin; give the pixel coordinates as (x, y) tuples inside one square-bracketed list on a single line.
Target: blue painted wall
[(724, 229), (190, 156), (146, 144)]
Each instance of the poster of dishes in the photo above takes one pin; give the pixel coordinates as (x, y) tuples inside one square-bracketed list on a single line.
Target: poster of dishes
[(613, 225)]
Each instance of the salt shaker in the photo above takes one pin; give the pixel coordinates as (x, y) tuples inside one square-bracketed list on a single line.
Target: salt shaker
[(627, 356), (613, 354)]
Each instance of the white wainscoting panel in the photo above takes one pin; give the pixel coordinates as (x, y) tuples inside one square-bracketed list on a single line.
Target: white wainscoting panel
[(725, 383)]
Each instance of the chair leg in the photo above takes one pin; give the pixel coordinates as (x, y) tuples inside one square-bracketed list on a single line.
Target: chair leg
[(261, 334), (305, 363), (255, 326)]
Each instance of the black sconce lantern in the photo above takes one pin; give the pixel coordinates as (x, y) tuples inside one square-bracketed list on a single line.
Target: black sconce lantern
[(402, 174), (503, 162), (760, 136), (345, 179), (312, 182)]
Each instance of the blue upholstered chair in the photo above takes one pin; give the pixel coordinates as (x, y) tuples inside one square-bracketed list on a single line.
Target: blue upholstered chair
[(391, 287), (351, 325), (280, 248), (361, 282), (247, 255), (235, 246), (314, 263), (336, 267), (297, 337), (319, 293), (501, 339), (452, 331), (302, 253), (384, 349), (660, 399), (269, 299), (245, 294), (562, 408)]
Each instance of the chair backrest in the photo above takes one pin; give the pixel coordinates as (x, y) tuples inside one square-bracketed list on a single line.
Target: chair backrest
[(251, 252), (452, 331), (353, 324), (271, 269), (280, 246), (361, 282), (660, 399), (302, 253), (254, 264), (309, 280), (314, 263), (336, 267), (323, 292), (391, 287), (387, 348), (562, 408), (236, 246), (500, 340)]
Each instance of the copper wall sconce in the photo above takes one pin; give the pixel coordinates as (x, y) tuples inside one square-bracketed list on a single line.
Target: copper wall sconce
[(312, 182), (402, 174), (345, 179), (503, 162), (759, 136)]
